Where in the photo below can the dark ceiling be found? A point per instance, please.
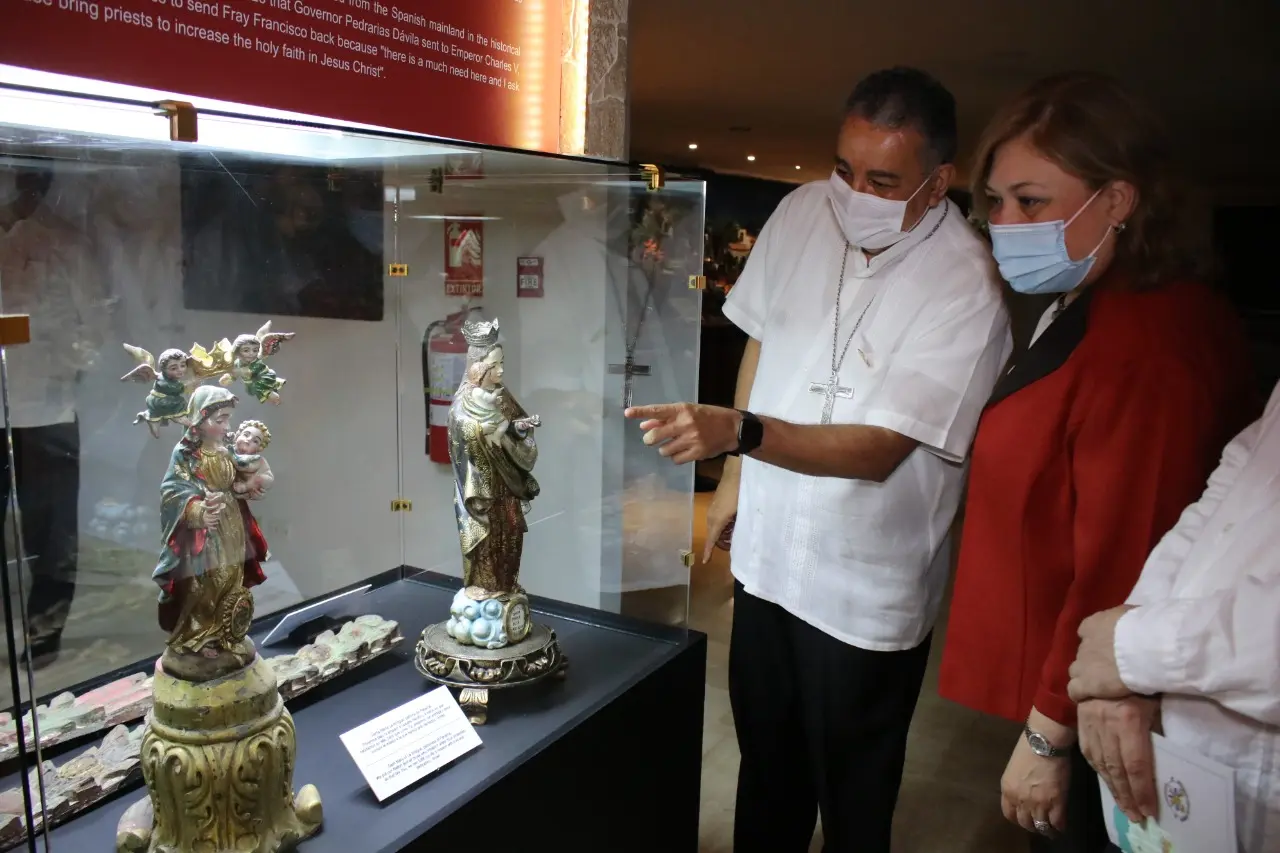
(767, 78)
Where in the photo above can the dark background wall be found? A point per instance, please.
(1245, 238)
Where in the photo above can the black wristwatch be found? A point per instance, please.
(750, 434)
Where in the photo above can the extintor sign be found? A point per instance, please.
(464, 257)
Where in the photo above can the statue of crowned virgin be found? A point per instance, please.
(492, 449)
(490, 640)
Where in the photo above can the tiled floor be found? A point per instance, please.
(950, 792)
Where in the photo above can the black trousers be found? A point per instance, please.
(822, 727)
(1086, 831)
(47, 460)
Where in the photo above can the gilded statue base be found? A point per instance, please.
(218, 759)
(442, 659)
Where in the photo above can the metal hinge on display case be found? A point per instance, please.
(183, 122)
(686, 557)
(654, 176)
(15, 329)
(398, 270)
(401, 505)
(697, 282)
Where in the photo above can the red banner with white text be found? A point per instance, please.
(485, 71)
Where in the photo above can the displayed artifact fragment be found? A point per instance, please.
(218, 747)
(73, 786)
(67, 717)
(489, 640)
(355, 643)
(85, 780)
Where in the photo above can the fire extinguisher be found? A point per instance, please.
(444, 363)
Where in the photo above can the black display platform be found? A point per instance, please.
(607, 759)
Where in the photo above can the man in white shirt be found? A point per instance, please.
(876, 331)
(46, 272)
(1198, 644)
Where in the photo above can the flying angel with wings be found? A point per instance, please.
(250, 367)
(172, 377)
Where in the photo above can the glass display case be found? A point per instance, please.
(369, 249)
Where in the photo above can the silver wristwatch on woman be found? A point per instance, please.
(1040, 744)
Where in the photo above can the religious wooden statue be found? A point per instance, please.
(490, 640)
(492, 448)
(212, 547)
(219, 747)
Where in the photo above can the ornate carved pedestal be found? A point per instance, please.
(442, 659)
(218, 760)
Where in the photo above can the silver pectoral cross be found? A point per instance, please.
(628, 369)
(830, 390)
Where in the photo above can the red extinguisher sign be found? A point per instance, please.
(444, 363)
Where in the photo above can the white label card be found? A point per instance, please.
(411, 742)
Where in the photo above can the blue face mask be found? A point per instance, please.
(1033, 256)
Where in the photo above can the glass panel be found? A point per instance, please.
(111, 235)
(367, 249)
(600, 258)
(48, 271)
(651, 497)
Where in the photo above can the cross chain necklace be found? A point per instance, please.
(831, 389)
(629, 369)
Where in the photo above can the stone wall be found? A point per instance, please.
(608, 60)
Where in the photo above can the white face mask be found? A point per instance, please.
(868, 221)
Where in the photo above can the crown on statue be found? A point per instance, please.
(480, 333)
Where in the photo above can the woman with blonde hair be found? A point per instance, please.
(1101, 432)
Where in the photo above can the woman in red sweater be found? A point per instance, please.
(1097, 437)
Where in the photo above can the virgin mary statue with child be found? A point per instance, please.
(212, 550)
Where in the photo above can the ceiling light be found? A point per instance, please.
(751, 158)
(693, 146)
(797, 168)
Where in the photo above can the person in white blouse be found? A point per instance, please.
(877, 331)
(46, 272)
(1197, 646)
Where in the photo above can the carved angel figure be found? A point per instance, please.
(172, 377)
(250, 366)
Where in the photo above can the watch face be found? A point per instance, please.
(1039, 745)
(750, 433)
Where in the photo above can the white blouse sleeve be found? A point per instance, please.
(1161, 568)
(1224, 646)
